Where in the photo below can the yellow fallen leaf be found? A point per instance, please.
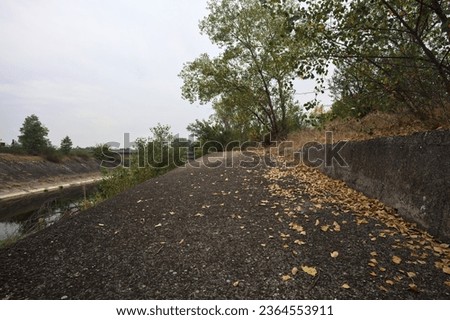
(337, 227)
(299, 242)
(345, 286)
(374, 254)
(373, 274)
(447, 283)
(438, 249)
(317, 222)
(383, 269)
(361, 221)
(383, 289)
(374, 261)
(286, 278)
(411, 274)
(325, 228)
(396, 260)
(286, 246)
(236, 284)
(446, 269)
(309, 270)
(390, 282)
(413, 287)
(334, 254)
(294, 271)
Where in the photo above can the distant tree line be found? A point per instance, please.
(33, 140)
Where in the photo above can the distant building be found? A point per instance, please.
(2, 144)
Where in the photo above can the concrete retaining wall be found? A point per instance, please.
(411, 174)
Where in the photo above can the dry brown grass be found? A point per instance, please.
(20, 158)
(371, 126)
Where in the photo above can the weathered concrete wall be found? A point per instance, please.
(15, 169)
(411, 174)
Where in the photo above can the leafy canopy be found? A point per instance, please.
(250, 82)
(33, 136)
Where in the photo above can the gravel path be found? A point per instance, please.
(230, 232)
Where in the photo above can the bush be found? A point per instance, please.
(52, 155)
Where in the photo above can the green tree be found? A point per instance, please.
(33, 136)
(66, 145)
(250, 82)
(394, 53)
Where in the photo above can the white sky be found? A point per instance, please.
(94, 70)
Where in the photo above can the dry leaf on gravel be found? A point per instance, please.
(396, 260)
(447, 283)
(294, 271)
(325, 228)
(286, 278)
(411, 274)
(310, 270)
(334, 254)
(336, 227)
(345, 286)
(390, 282)
(236, 284)
(413, 287)
(446, 269)
(299, 242)
(296, 227)
(361, 221)
(383, 289)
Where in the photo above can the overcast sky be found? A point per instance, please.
(94, 70)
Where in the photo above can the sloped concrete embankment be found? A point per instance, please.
(410, 174)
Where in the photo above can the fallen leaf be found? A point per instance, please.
(413, 287)
(294, 271)
(286, 278)
(337, 227)
(411, 274)
(374, 261)
(361, 221)
(374, 254)
(383, 269)
(439, 249)
(309, 270)
(181, 242)
(317, 222)
(325, 228)
(396, 260)
(263, 245)
(334, 254)
(299, 242)
(158, 225)
(447, 283)
(199, 215)
(236, 284)
(446, 269)
(390, 282)
(383, 289)
(373, 274)
(297, 227)
(345, 286)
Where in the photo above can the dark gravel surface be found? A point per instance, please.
(218, 233)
